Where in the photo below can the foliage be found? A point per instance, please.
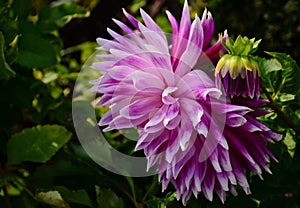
(42, 163)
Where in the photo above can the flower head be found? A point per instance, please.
(199, 142)
(238, 72)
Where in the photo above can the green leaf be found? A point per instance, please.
(297, 112)
(78, 197)
(290, 73)
(59, 15)
(37, 144)
(108, 199)
(49, 77)
(165, 201)
(8, 26)
(270, 65)
(5, 70)
(284, 97)
(290, 142)
(52, 198)
(22, 8)
(36, 51)
(6, 179)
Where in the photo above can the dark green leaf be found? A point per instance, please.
(36, 51)
(37, 144)
(59, 15)
(6, 178)
(8, 26)
(5, 70)
(77, 197)
(22, 8)
(108, 199)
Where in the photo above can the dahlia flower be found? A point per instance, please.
(238, 72)
(199, 142)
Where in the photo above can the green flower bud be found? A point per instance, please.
(237, 72)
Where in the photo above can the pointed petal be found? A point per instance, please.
(208, 27)
(193, 49)
(136, 109)
(193, 110)
(132, 20)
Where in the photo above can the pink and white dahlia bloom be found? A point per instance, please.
(198, 142)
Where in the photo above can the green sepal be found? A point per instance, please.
(242, 46)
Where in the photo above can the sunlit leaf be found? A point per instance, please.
(284, 97)
(290, 142)
(270, 65)
(290, 74)
(37, 144)
(52, 198)
(49, 77)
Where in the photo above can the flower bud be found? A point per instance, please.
(237, 72)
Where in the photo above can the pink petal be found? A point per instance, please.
(179, 42)
(137, 109)
(193, 110)
(120, 122)
(103, 66)
(157, 117)
(157, 42)
(174, 123)
(193, 81)
(167, 97)
(208, 27)
(193, 49)
(120, 72)
(129, 32)
(185, 132)
(171, 113)
(235, 120)
(208, 186)
(132, 20)
(149, 22)
(224, 159)
(217, 49)
(223, 180)
(143, 80)
(213, 157)
(185, 22)
(173, 22)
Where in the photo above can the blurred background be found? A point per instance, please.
(277, 23)
(43, 46)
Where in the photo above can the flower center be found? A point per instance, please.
(168, 95)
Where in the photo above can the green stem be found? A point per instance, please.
(279, 112)
(274, 96)
(150, 189)
(7, 200)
